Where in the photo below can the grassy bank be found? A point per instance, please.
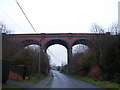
(35, 78)
(103, 83)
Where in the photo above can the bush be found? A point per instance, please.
(88, 61)
(116, 78)
(96, 72)
(112, 77)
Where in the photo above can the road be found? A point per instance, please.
(59, 80)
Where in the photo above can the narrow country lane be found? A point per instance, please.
(59, 80)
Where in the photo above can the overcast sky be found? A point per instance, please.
(58, 16)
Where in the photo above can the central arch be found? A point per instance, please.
(61, 42)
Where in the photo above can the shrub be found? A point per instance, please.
(112, 77)
(116, 78)
(96, 72)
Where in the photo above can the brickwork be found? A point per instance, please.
(15, 76)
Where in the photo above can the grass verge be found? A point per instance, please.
(10, 86)
(35, 78)
(104, 84)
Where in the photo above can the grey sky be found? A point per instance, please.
(58, 16)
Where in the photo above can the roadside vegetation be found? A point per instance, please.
(35, 78)
(100, 63)
(102, 83)
(32, 59)
(29, 62)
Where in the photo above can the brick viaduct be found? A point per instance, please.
(44, 40)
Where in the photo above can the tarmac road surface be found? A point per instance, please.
(59, 80)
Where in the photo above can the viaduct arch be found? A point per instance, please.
(56, 41)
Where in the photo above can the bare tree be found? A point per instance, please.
(97, 29)
(114, 29)
(4, 29)
(44, 62)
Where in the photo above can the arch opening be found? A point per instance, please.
(58, 55)
(31, 54)
(79, 48)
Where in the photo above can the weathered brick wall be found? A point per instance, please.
(15, 76)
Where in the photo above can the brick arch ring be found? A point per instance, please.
(56, 41)
(30, 41)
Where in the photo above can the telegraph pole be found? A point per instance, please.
(39, 60)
